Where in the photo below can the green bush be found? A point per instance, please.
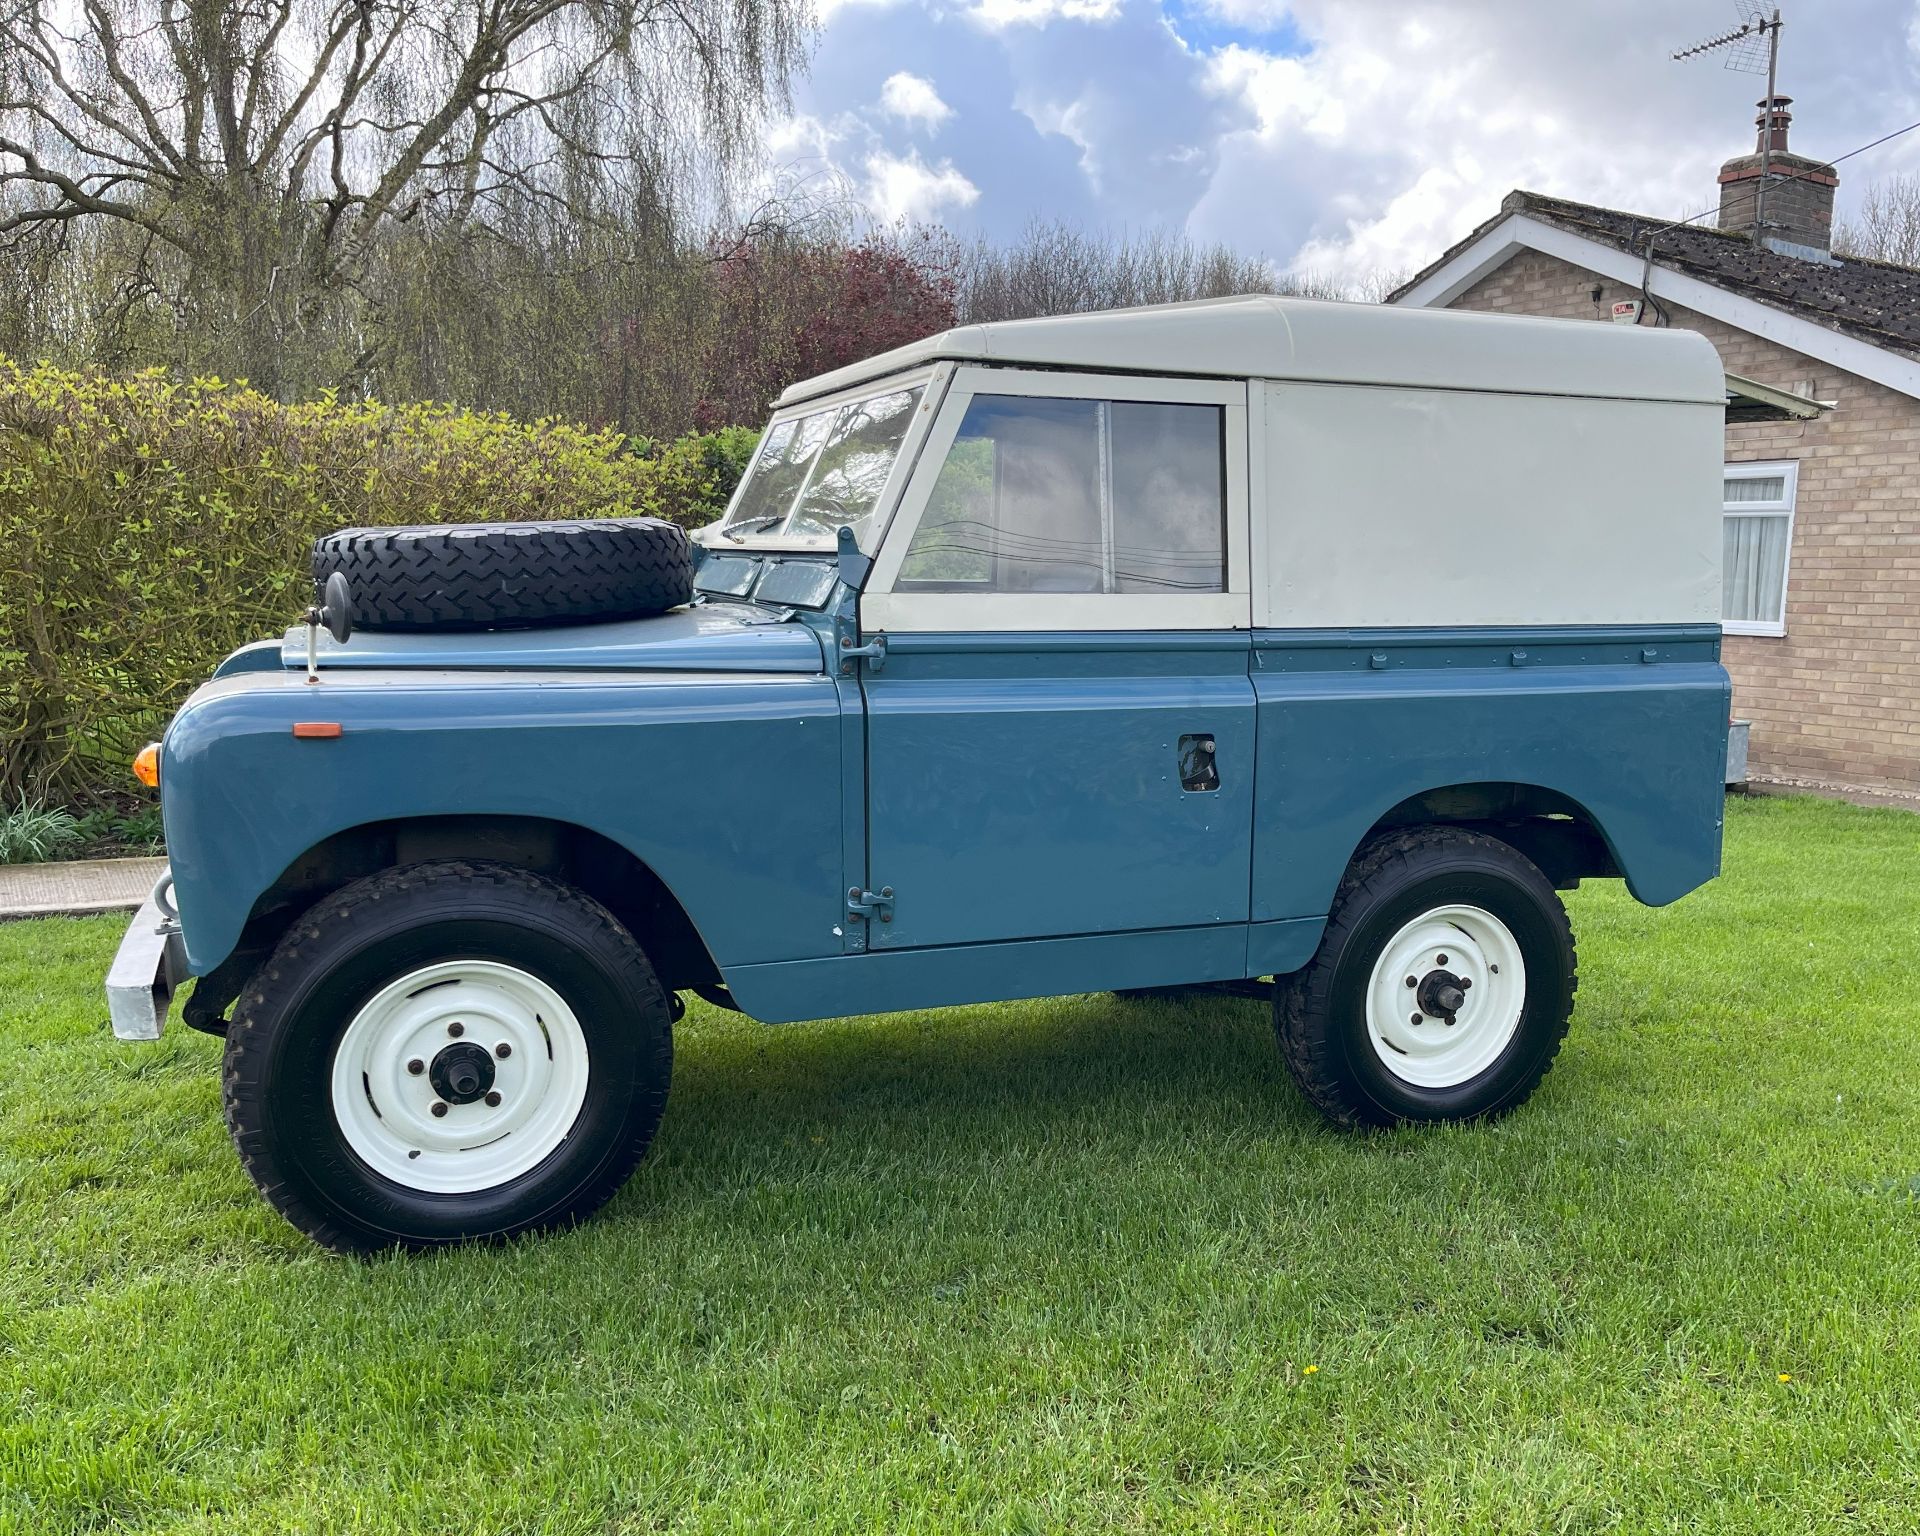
(30, 833)
(149, 526)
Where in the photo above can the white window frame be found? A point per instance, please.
(1788, 471)
(932, 380)
(881, 607)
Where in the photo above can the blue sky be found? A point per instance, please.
(1344, 137)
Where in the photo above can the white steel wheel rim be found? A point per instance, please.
(1472, 945)
(384, 1108)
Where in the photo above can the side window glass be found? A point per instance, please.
(1169, 498)
(1051, 495)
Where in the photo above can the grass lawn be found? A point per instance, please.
(1074, 1264)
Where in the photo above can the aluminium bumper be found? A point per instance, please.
(151, 962)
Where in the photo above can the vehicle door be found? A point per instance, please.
(1060, 737)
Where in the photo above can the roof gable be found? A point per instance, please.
(1863, 316)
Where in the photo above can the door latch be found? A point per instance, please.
(1198, 771)
(864, 905)
(875, 652)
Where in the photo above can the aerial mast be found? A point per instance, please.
(1757, 38)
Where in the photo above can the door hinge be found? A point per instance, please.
(865, 905)
(875, 651)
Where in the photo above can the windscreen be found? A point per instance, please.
(818, 472)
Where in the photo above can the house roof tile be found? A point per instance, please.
(1875, 301)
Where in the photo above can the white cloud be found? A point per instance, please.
(802, 137)
(1373, 140)
(997, 14)
(1347, 137)
(1069, 121)
(905, 187)
(826, 10)
(912, 99)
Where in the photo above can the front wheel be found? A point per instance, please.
(1441, 989)
(444, 1052)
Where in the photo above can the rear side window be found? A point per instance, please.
(1049, 495)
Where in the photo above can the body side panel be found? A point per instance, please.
(886, 981)
(1628, 724)
(1458, 507)
(628, 756)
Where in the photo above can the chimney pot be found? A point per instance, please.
(1772, 122)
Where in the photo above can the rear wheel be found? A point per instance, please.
(1441, 989)
(445, 1052)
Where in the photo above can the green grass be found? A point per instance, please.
(1042, 1266)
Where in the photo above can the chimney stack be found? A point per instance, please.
(1794, 214)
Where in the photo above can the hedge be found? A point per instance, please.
(149, 526)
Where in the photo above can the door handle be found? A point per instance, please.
(1199, 772)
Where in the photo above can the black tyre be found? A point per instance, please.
(502, 575)
(444, 1052)
(1441, 989)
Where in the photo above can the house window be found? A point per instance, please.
(1757, 534)
(1043, 494)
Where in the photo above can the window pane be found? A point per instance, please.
(777, 471)
(951, 550)
(855, 463)
(1041, 495)
(1757, 488)
(1016, 507)
(1169, 498)
(1754, 578)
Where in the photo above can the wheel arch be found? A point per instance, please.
(591, 861)
(1559, 834)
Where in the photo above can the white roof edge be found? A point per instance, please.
(1518, 232)
(1320, 341)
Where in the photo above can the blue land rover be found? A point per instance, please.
(1291, 648)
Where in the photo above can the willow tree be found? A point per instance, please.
(248, 158)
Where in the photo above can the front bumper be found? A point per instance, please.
(151, 962)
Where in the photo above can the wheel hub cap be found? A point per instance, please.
(1442, 994)
(462, 1072)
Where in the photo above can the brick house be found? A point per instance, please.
(1822, 541)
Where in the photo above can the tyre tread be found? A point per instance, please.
(240, 1094)
(1303, 997)
(489, 575)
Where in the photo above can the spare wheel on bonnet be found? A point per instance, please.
(496, 575)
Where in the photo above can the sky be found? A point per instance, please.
(1350, 139)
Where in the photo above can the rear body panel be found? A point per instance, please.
(1628, 724)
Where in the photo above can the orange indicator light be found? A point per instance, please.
(316, 730)
(146, 765)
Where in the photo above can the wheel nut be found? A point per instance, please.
(1413, 981)
(1417, 1017)
(1465, 982)
(439, 1109)
(416, 1066)
(457, 1029)
(1441, 959)
(503, 1050)
(493, 1098)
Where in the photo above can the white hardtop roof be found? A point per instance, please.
(1261, 336)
